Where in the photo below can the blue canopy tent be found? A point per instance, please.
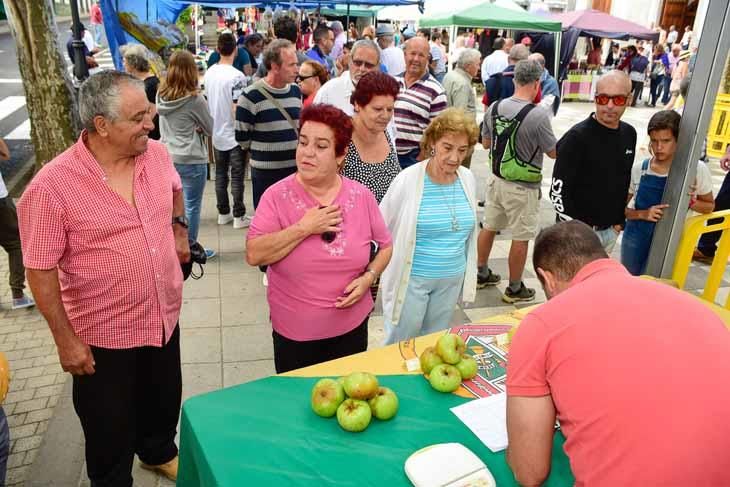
(157, 17)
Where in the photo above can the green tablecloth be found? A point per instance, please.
(264, 433)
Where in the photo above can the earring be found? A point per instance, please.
(432, 152)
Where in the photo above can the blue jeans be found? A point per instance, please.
(193, 178)
(427, 308)
(666, 95)
(4, 445)
(655, 87)
(608, 239)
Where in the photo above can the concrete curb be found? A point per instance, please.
(61, 457)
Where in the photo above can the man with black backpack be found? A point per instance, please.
(517, 133)
(500, 86)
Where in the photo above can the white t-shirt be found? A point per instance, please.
(223, 85)
(394, 60)
(3, 188)
(494, 63)
(703, 180)
(89, 40)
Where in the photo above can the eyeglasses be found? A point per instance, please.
(359, 63)
(618, 100)
(301, 78)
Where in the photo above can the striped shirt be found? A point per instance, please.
(415, 107)
(440, 250)
(263, 130)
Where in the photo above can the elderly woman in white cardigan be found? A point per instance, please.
(430, 210)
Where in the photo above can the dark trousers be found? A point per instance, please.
(636, 87)
(10, 241)
(708, 241)
(130, 405)
(656, 85)
(291, 354)
(408, 159)
(234, 161)
(261, 179)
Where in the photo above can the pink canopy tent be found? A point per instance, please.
(600, 24)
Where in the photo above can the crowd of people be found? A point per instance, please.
(360, 184)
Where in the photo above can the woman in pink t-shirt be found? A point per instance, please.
(313, 230)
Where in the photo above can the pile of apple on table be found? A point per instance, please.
(356, 398)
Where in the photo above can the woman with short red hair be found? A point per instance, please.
(371, 158)
(313, 230)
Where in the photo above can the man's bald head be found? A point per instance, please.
(508, 43)
(539, 58)
(614, 79)
(418, 43)
(612, 84)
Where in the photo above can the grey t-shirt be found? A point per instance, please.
(536, 131)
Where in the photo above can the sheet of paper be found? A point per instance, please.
(487, 419)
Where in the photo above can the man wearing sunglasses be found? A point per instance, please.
(364, 58)
(593, 169)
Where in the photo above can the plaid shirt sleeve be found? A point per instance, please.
(41, 220)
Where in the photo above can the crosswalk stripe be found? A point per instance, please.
(10, 80)
(21, 132)
(10, 104)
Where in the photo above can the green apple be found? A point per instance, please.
(327, 395)
(467, 367)
(385, 403)
(354, 415)
(361, 385)
(445, 378)
(429, 360)
(450, 347)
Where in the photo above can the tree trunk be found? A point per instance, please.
(50, 96)
(726, 79)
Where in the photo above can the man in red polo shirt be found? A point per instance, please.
(103, 234)
(635, 370)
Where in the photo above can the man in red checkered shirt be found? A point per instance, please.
(103, 234)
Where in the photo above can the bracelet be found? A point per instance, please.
(375, 274)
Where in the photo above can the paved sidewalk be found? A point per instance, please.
(225, 337)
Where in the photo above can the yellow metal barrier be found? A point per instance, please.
(718, 136)
(693, 229)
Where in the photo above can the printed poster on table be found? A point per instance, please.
(491, 359)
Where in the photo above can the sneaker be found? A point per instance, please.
(524, 294)
(487, 278)
(23, 302)
(699, 256)
(210, 253)
(225, 219)
(241, 222)
(265, 280)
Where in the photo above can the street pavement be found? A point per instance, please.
(225, 334)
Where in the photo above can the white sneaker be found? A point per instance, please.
(225, 219)
(265, 280)
(241, 222)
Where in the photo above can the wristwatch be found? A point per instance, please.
(181, 220)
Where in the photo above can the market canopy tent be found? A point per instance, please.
(593, 23)
(489, 15)
(152, 21)
(600, 24)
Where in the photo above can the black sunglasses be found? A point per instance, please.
(328, 237)
(301, 78)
